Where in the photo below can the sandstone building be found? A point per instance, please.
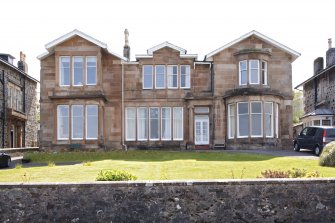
(18, 119)
(238, 96)
(319, 92)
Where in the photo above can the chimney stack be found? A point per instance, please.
(330, 54)
(329, 43)
(126, 48)
(21, 64)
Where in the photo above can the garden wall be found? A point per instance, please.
(287, 200)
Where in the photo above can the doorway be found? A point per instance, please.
(201, 130)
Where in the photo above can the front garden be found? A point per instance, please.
(154, 165)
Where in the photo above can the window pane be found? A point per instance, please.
(316, 122)
(166, 123)
(130, 123)
(91, 121)
(243, 72)
(201, 109)
(185, 76)
(91, 70)
(231, 121)
(160, 76)
(172, 76)
(154, 123)
(256, 107)
(64, 70)
(264, 73)
(63, 122)
(256, 119)
(254, 71)
(77, 122)
(268, 119)
(147, 77)
(78, 70)
(178, 123)
(243, 119)
(142, 123)
(326, 122)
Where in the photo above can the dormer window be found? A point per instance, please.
(252, 72)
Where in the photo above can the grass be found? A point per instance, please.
(154, 165)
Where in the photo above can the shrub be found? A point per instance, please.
(294, 173)
(327, 157)
(115, 175)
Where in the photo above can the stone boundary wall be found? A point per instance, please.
(274, 200)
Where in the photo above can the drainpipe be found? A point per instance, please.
(4, 108)
(124, 146)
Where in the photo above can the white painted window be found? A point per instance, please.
(91, 70)
(64, 66)
(142, 124)
(172, 76)
(166, 123)
(326, 122)
(243, 119)
(77, 115)
(201, 110)
(277, 120)
(92, 122)
(243, 77)
(264, 72)
(231, 121)
(178, 123)
(147, 77)
(63, 118)
(130, 124)
(78, 71)
(154, 116)
(185, 76)
(268, 117)
(254, 71)
(159, 76)
(256, 119)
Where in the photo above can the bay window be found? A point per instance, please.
(243, 73)
(268, 113)
(256, 119)
(264, 73)
(243, 119)
(147, 77)
(253, 71)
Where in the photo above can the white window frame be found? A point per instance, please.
(229, 121)
(86, 121)
(96, 76)
(265, 70)
(251, 124)
(187, 76)
(182, 124)
(82, 75)
(238, 119)
(269, 136)
(126, 127)
(169, 118)
(156, 76)
(60, 71)
(240, 73)
(68, 119)
(72, 107)
(146, 122)
(158, 122)
(152, 76)
(171, 75)
(251, 69)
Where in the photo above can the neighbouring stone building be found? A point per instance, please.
(319, 92)
(18, 122)
(239, 96)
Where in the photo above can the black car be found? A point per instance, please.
(314, 138)
(5, 160)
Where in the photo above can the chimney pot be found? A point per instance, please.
(126, 48)
(329, 43)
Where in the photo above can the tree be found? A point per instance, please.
(297, 106)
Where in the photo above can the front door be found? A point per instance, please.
(201, 130)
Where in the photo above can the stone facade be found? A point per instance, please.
(319, 92)
(18, 119)
(169, 99)
(287, 200)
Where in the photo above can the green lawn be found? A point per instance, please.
(154, 165)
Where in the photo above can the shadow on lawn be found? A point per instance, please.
(71, 158)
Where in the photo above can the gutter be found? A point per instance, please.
(124, 146)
